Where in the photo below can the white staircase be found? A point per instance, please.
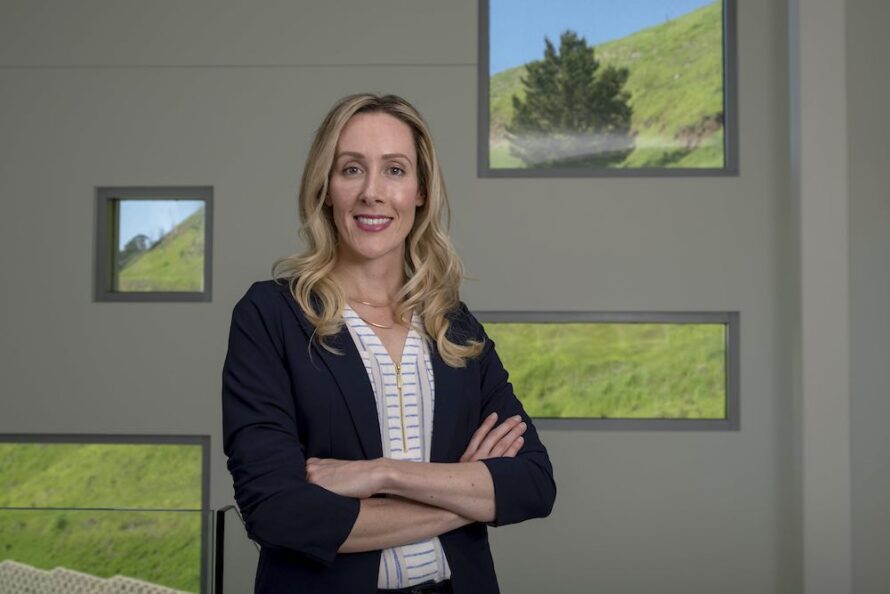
(18, 578)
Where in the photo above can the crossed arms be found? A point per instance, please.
(425, 499)
(319, 508)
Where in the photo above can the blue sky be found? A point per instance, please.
(151, 217)
(518, 27)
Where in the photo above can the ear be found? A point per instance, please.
(420, 199)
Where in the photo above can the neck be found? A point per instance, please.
(376, 281)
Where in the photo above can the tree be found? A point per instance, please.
(137, 245)
(574, 113)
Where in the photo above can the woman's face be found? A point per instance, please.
(374, 188)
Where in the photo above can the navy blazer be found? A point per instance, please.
(286, 399)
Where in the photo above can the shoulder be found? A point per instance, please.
(267, 308)
(266, 290)
(263, 298)
(463, 325)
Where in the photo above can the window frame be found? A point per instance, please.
(104, 258)
(730, 117)
(103, 438)
(730, 319)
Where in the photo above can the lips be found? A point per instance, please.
(372, 222)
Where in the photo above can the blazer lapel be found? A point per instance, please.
(352, 379)
(447, 408)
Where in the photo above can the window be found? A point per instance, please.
(116, 508)
(154, 244)
(596, 88)
(622, 370)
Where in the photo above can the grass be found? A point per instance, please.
(158, 547)
(606, 370)
(676, 88)
(176, 263)
(162, 547)
(100, 475)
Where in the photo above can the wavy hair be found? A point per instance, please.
(432, 266)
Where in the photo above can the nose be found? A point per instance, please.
(371, 190)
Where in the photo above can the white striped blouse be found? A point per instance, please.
(406, 428)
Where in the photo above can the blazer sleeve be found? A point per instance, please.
(523, 486)
(265, 456)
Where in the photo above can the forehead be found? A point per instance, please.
(376, 133)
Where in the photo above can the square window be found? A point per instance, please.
(154, 244)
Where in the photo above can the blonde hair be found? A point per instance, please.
(432, 265)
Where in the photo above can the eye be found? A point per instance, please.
(396, 170)
(350, 170)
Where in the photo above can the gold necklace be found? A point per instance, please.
(369, 322)
(372, 304)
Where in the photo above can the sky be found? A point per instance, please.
(518, 27)
(151, 216)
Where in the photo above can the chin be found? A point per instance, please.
(371, 252)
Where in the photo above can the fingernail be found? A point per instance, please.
(493, 415)
(518, 417)
(522, 425)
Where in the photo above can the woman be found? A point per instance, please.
(370, 428)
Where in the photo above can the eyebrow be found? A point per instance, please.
(386, 157)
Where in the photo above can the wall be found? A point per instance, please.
(868, 95)
(226, 94)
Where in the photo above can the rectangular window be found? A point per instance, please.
(121, 510)
(571, 88)
(154, 244)
(622, 370)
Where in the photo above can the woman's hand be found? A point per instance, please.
(350, 478)
(503, 441)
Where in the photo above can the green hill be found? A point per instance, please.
(176, 263)
(628, 371)
(162, 547)
(676, 89)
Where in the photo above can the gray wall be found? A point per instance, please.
(869, 130)
(226, 94)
